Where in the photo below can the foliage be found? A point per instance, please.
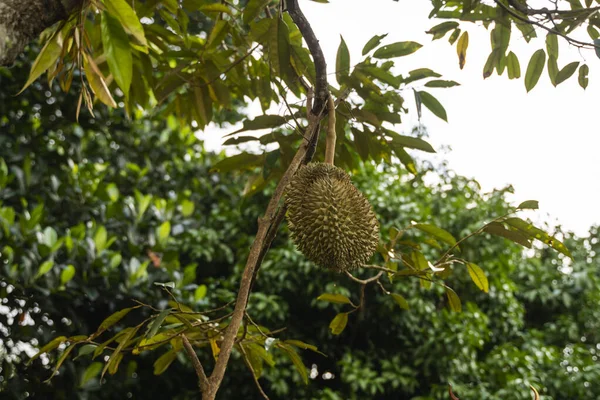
(125, 204)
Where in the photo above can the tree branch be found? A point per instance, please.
(202, 379)
(321, 86)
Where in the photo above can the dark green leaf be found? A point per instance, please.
(437, 232)
(155, 326)
(372, 43)
(567, 71)
(439, 83)
(583, 76)
(342, 61)
(499, 230)
(433, 105)
(529, 205)
(453, 300)
(334, 298)
(401, 301)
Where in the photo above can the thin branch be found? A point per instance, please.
(384, 269)
(572, 41)
(321, 86)
(247, 360)
(202, 379)
(365, 281)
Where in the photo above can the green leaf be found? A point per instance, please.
(334, 298)
(411, 143)
(372, 43)
(112, 191)
(200, 292)
(61, 360)
(117, 51)
(44, 268)
(53, 344)
(439, 83)
(163, 231)
(401, 301)
(100, 238)
(338, 324)
(291, 353)
(567, 71)
(47, 57)
(67, 274)
(437, 232)
(529, 205)
(115, 358)
(157, 322)
(163, 362)
(478, 277)
(453, 300)
(583, 76)
(552, 45)
(90, 373)
(440, 30)
(534, 69)
(187, 208)
(261, 122)
(552, 70)
(97, 81)
(302, 345)
(499, 230)
(536, 233)
(461, 49)
(114, 318)
(252, 9)
(433, 105)
(215, 7)
(125, 14)
(342, 61)
(398, 49)
(239, 161)
(513, 66)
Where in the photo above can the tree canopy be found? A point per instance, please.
(125, 245)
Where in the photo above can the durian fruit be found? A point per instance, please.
(331, 222)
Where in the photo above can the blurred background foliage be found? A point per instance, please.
(84, 211)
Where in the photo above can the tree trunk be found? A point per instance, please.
(21, 21)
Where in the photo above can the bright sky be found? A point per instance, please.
(544, 142)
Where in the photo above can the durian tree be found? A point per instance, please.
(191, 61)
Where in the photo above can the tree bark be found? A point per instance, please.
(21, 21)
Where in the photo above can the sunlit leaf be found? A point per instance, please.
(125, 14)
(117, 51)
(338, 324)
(163, 362)
(499, 230)
(67, 274)
(90, 373)
(97, 82)
(401, 301)
(291, 353)
(478, 277)
(114, 318)
(334, 298)
(461, 49)
(437, 232)
(44, 268)
(53, 344)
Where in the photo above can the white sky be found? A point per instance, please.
(544, 142)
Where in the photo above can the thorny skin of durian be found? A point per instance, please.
(331, 222)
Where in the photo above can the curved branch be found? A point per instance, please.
(321, 86)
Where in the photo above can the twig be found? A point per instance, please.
(247, 360)
(202, 379)
(365, 281)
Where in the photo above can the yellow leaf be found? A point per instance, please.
(97, 82)
(215, 348)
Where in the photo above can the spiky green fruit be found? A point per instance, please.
(331, 222)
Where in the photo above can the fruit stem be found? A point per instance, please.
(331, 136)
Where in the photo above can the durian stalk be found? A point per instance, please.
(309, 101)
(331, 137)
